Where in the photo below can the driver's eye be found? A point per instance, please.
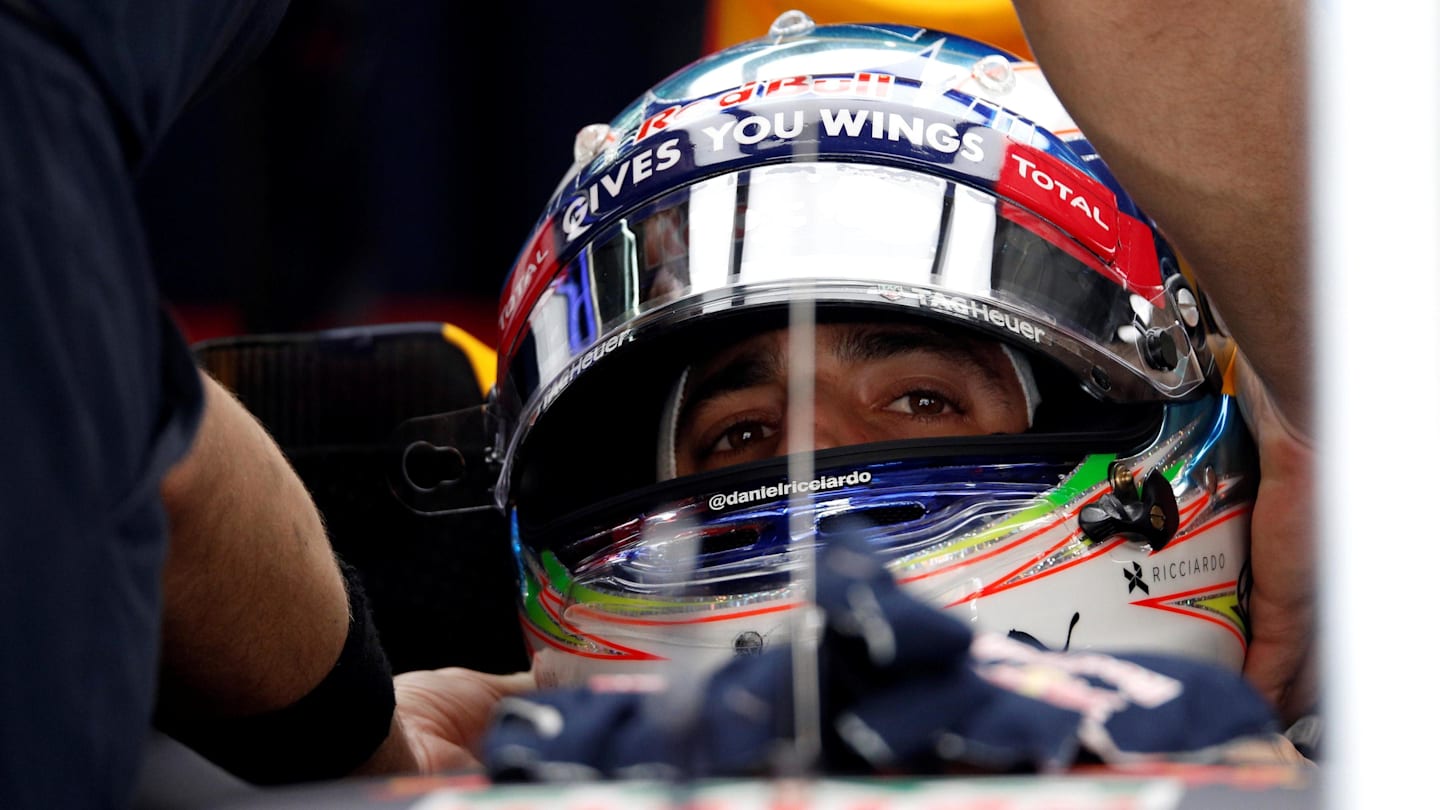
(920, 403)
(743, 434)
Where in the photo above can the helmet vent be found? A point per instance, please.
(887, 515)
(728, 541)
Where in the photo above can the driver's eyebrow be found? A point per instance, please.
(766, 364)
(881, 342)
(757, 366)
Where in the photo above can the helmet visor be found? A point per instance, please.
(859, 235)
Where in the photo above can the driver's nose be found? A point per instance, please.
(836, 425)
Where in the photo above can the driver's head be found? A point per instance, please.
(999, 342)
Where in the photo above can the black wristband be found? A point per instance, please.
(326, 734)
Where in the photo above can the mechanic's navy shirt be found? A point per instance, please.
(98, 394)
(153, 57)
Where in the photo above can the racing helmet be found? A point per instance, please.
(875, 173)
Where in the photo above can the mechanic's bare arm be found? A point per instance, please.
(1200, 112)
(255, 609)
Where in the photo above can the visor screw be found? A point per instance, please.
(1160, 351)
(1100, 378)
(1157, 518)
(792, 23)
(995, 74)
(590, 141)
(1122, 480)
(1207, 480)
(1188, 307)
(749, 643)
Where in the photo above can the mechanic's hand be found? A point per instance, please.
(1270, 750)
(1283, 659)
(440, 716)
